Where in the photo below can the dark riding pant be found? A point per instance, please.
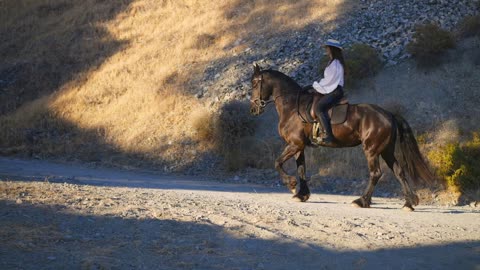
(324, 104)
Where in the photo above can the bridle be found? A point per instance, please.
(259, 102)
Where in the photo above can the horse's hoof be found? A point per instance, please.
(408, 208)
(296, 198)
(360, 203)
(301, 198)
(354, 204)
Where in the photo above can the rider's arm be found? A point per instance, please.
(332, 77)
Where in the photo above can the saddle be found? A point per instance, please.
(337, 115)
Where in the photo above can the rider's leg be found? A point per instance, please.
(321, 111)
(322, 114)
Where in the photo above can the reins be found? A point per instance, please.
(298, 106)
(263, 103)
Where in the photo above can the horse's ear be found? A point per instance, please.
(256, 69)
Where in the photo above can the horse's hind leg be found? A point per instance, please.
(411, 198)
(303, 193)
(375, 174)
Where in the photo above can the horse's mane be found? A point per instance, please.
(292, 85)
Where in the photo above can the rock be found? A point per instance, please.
(395, 52)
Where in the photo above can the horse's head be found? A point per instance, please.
(261, 92)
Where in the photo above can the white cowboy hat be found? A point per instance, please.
(333, 43)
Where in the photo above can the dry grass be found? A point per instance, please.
(349, 163)
(122, 74)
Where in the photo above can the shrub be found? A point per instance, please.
(203, 123)
(362, 61)
(429, 42)
(234, 124)
(469, 26)
(251, 152)
(204, 41)
(459, 164)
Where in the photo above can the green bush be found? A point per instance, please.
(361, 60)
(459, 164)
(429, 42)
(469, 26)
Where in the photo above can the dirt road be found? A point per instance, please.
(79, 218)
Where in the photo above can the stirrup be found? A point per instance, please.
(317, 131)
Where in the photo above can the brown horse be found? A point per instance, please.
(378, 131)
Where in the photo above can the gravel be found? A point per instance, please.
(61, 226)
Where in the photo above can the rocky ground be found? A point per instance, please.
(108, 219)
(385, 25)
(439, 98)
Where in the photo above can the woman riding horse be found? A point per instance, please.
(380, 133)
(331, 86)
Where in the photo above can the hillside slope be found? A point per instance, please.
(115, 81)
(124, 83)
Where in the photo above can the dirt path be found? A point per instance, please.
(106, 219)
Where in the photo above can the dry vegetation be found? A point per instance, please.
(96, 77)
(430, 42)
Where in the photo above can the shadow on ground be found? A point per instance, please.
(45, 171)
(48, 237)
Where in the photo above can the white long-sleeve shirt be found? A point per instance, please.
(332, 77)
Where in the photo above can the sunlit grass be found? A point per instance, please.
(138, 97)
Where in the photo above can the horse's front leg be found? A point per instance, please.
(304, 192)
(289, 180)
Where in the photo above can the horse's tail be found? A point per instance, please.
(409, 155)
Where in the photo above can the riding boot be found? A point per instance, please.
(323, 118)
